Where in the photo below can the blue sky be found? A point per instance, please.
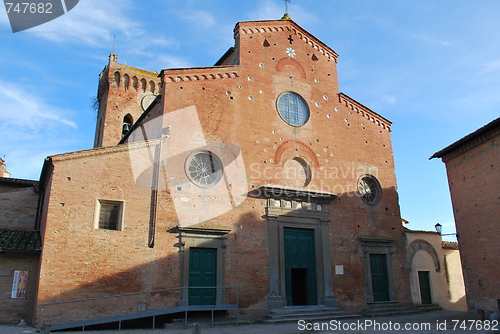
(431, 67)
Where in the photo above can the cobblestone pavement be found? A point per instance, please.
(442, 322)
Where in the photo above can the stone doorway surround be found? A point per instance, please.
(381, 246)
(201, 238)
(289, 207)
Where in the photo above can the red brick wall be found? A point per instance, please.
(13, 310)
(338, 141)
(18, 207)
(236, 105)
(473, 180)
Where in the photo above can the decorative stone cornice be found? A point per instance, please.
(256, 27)
(365, 112)
(369, 241)
(199, 73)
(127, 77)
(199, 230)
(299, 194)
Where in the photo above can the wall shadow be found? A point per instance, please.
(246, 263)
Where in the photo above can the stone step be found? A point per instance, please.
(392, 309)
(309, 313)
(307, 318)
(390, 313)
(386, 305)
(428, 308)
(306, 315)
(204, 323)
(302, 310)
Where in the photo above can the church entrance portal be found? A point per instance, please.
(380, 280)
(300, 267)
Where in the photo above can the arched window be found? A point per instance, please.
(152, 87)
(135, 82)
(127, 124)
(126, 81)
(117, 78)
(143, 85)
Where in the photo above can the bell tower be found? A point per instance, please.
(124, 93)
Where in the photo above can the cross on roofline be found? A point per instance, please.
(286, 5)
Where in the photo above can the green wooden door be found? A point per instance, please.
(425, 287)
(300, 267)
(202, 272)
(380, 279)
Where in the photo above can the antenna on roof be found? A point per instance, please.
(114, 39)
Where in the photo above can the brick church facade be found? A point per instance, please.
(255, 173)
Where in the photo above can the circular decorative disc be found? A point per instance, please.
(204, 169)
(147, 100)
(369, 189)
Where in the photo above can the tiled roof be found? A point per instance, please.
(450, 245)
(19, 240)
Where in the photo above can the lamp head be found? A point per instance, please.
(439, 228)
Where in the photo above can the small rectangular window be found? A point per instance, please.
(109, 215)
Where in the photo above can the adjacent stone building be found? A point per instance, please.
(20, 247)
(472, 164)
(255, 173)
(435, 271)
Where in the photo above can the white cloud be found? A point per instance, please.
(274, 10)
(388, 99)
(91, 23)
(4, 19)
(25, 110)
(96, 23)
(430, 40)
(493, 66)
(153, 61)
(168, 61)
(267, 10)
(385, 100)
(32, 129)
(201, 18)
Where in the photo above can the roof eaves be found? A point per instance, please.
(491, 126)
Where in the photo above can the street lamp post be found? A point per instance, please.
(439, 229)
